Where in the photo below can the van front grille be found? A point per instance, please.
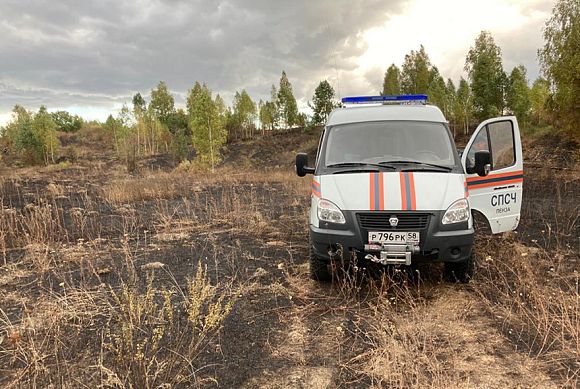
(379, 221)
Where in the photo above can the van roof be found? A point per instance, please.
(373, 113)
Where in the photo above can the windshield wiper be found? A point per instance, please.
(359, 167)
(446, 168)
(358, 164)
(346, 164)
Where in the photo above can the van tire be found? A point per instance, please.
(319, 268)
(460, 271)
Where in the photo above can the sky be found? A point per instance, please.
(90, 57)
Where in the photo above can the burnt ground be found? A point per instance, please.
(88, 226)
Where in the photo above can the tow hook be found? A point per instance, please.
(392, 254)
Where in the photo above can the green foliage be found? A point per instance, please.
(560, 61)
(437, 90)
(125, 137)
(276, 112)
(222, 110)
(29, 143)
(242, 121)
(286, 103)
(450, 103)
(162, 103)
(11, 132)
(192, 97)
(415, 72)
(110, 124)
(139, 105)
(463, 107)
(302, 120)
(392, 81)
(518, 95)
(208, 131)
(33, 136)
(180, 145)
(539, 95)
(268, 112)
(151, 135)
(177, 121)
(486, 76)
(142, 131)
(145, 135)
(66, 122)
(322, 103)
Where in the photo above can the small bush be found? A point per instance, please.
(33, 136)
(156, 334)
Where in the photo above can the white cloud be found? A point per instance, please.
(447, 29)
(5, 118)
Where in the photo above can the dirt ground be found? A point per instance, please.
(98, 275)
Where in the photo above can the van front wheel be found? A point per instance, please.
(319, 268)
(460, 271)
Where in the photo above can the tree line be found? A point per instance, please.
(487, 92)
(490, 91)
(207, 124)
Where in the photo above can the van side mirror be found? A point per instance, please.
(482, 163)
(302, 168)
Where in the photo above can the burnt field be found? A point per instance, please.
(182, 279)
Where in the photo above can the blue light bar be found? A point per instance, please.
(382, 99)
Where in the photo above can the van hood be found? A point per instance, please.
(407, 191)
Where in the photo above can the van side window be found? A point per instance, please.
(501, 135)
(479, 144)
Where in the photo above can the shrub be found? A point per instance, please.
(33, 136)
(156, 334)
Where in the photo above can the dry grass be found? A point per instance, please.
(184, 184)
(89, 300)
(42, 342)
(131, 331)
(149, 337)
(536, 298)
(155, 334)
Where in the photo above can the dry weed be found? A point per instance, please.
(537, 301)
(151, 343)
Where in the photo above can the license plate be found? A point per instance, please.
(393, 237)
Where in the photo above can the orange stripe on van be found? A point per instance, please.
(403, 195)
(381, 192)
(496, 183)
(477, 178)
(408, 195)
(376, 192)
(315, 188)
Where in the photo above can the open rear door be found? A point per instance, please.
(497, 195)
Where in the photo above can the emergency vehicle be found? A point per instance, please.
(389, 185)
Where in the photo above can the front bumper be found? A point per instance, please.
(438, 243)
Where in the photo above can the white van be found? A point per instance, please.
(389, 185)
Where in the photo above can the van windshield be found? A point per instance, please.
(389, 141)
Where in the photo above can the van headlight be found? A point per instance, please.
(329, 212)
(457, 212)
